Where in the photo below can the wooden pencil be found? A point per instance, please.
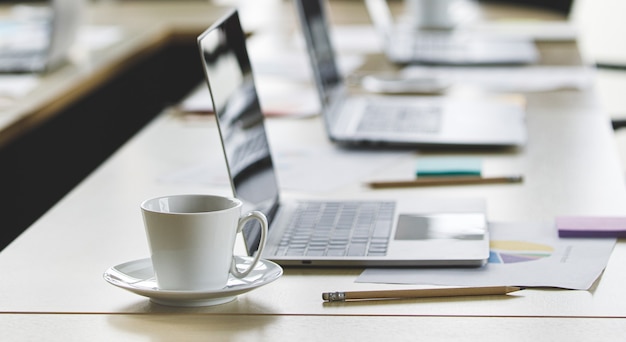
(438, 181)
(418, 293)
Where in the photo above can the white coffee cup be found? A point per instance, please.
(192, 237)
(436, 14)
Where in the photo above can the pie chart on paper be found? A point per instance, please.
(509, 251)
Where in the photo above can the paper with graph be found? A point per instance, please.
(522, 254)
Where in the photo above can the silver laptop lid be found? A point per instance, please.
(240, 119)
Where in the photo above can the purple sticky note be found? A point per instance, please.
(591, 226)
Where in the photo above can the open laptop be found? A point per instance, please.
(401, 120)
(41, 44)
(324, 233)
(404, 45)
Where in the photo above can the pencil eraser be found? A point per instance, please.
(448, 166)
(591, 226)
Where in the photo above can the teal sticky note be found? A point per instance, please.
(448, 166)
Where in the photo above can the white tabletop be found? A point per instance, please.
(99, 225)
(168, 327)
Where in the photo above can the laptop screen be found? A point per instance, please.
(321, 53)
(240, 119)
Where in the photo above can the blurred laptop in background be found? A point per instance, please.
(38, 38)
(377, 120)
(404, 44)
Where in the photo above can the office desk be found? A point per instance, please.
(99, 225)
(175, 327)
(52, 284)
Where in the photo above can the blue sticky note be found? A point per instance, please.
(448, 166)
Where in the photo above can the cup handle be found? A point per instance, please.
(256, 215)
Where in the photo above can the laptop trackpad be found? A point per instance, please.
(456, 226)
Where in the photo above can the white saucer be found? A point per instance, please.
(138, 277)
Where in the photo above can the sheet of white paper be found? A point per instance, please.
(356, 38)
(509, 79)
(522, 254)
(97, 37)
(282, 97)
(299, 168)
(16, 86)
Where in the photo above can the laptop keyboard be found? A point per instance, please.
(338, 229)
(403, 119)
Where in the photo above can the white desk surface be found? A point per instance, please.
(173, 327)
(99, 225)
(52, 284)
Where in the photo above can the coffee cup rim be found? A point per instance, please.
(236, 203)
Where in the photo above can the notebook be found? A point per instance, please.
(324, 233)
(405, 45)
(373, 120)
(41, 44)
